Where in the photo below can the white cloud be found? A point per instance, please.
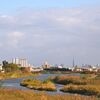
(54, 34)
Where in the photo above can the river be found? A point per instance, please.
(15, 83)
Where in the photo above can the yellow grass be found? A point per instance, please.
(10, 94)
(17, 74)
(39, 85)
(77, 80)
(82, 89)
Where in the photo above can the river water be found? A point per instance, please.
(15, 83)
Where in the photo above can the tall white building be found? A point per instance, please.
(20, 62)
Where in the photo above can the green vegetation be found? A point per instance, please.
(10, 67)
(38, 85)
(10, 94)
(17, 74)
(14, 71)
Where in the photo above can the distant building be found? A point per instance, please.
(20, 62)
(38, 69)
(46, 65)
(77, 69)
(60, 66)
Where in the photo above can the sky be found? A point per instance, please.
(50, 30)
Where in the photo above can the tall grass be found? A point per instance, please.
(67, 80)
(77, 84)
(17, 74)
(82, 89)
(11, 94)
(77, 80)
(38, 85)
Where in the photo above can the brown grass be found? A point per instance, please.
(11, 94)
(17, 74)
(82, 89)
(39, 85)
(77, 80)
(67, 79)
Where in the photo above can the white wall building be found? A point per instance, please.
(20, 62)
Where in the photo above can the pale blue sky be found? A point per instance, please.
(9, 6)
(56, 35)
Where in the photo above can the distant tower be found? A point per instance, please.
(73, 63)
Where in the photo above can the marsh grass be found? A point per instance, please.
(17, 74)
(67, 80)
(77, 80)
(77, 84)
(38, 85)
(11, 94)
(82, 89)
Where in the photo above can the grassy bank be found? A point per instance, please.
(17, 74)
(39, 85)
(67, 80)
(9, 94)
(77, 80)
(82, 89)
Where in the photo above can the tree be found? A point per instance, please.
(5, 63)
(10, 67)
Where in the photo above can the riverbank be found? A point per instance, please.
(13, 94)
(18, 74)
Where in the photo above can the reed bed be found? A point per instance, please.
(39, 85)
(82, 89)
(13, 94)
(77, 80)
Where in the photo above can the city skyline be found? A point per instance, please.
(50, 30)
